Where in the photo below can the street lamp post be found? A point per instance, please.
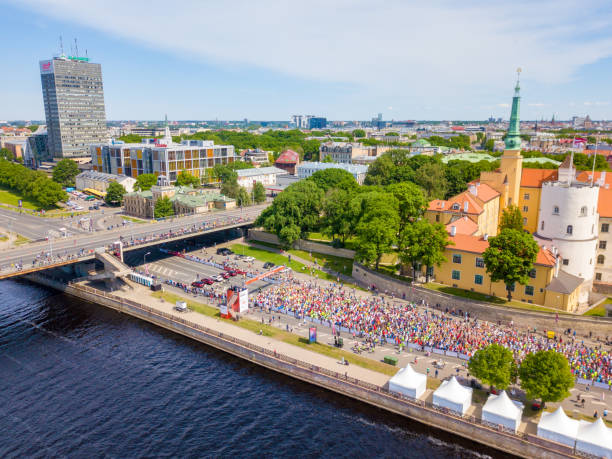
(144, 258)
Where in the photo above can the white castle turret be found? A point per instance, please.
(568, 221)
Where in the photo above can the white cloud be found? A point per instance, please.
(391, 47)
(503, 105)
(597, 103)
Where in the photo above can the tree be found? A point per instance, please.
(237, 165)
(242, 197)
(114, 194)
(432, 178)
(294, 213)
(328, 159)
(223, 173)
(130, 138)
(144, 182)
(258, 193)
(184, 178)
(163, 208)
(511, 218)
(494, 365)
(334, 178)
(423, 242)
(411, 200)
(510, 257)
(359, 133)
(6, 154)
(340, 213)
(377, 228)
(546, 375)
(65, 171)
(33, 127)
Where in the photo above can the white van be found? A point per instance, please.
(181, 306)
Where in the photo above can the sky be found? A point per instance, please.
(342, 59)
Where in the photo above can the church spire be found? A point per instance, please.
(513, 137)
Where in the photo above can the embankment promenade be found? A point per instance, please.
(358, 383)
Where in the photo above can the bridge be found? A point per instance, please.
(65, 251)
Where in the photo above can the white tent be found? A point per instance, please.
(453, 396)
(408, 382)
(558, 427)
(594, 438)
(499, 409)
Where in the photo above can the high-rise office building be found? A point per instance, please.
(74, 105)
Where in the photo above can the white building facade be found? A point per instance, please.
(264, 175)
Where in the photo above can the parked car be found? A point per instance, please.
(249, 258)
(239, 271)
(225, 275)
(217, 278)
(232, 272)
(224, 251)
(207, 281)
(268, 265)
(197, 284)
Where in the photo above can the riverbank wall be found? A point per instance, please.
(598, 326)
(522, 445)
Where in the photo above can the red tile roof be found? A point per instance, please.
(463, 225)
(535, 177)
(477, 244)
(604, 206)
(288, 157)
(484, 192)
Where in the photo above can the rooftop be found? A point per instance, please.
(352, 168)
(564, 283)
(288, 157)
(533, 178)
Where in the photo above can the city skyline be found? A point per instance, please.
(323, 67)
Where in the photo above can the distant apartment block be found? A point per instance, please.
(73, 98)
(197, 157)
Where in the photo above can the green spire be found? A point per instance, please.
(513, 137)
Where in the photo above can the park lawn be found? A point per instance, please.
(281, 335)
(278, 259)
(600, 310)
(21, 240)
(490, 299)
(134, 220)
(12, 198)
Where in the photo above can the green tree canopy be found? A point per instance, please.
(65, 171)
(258, 193)
(423, 242)
(411, 201)
(511, 218)
(224, 174)
(144, 182)
(6, 154)
(163, 208)
(114, 194)
(294, 213)
(33, 127)
(184, 178)
(357, 133)
(378, 226)
(130, 138)
(334, 178)
(510, 257)
(494, 365)
(341, 211)
(242, 197)
(32, 184)
(546, 375)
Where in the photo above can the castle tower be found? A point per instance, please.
(512, 161)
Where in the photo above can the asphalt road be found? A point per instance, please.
(72, 245)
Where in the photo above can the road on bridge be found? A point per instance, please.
(27, 253)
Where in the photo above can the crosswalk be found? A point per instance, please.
(166, 272)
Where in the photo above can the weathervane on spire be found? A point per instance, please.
(518, 78)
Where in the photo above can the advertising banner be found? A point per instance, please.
(312, 335)
(243, 300)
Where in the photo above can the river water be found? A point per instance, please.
(79, 380)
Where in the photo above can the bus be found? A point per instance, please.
(96, 193)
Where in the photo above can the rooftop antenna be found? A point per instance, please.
(76, 48)
(61, 46)
(86, 54)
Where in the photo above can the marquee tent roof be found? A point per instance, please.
(407, 381)
(594, 438)
(558, 427)
(453, 395)
(499, 409)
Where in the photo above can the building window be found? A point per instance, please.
(478, 279)
(479, 262)
(455, 206)
(605, 227)
(570, 229)
(542, 225)
(529, 290)
(601, 259)
(524, 221)
(603, 244)
(556, 210)
(437, 218)
(525, 209)
(456, 275)
(457, 258)
(597, 276)
(565, 261)
(583, 211)
(526, 197)
(532, 273)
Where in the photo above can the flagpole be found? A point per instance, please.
(594, 158)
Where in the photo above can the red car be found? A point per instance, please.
(232, 273)
(239, 271)
(207, 281)
(225, 275)
(197, 284)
